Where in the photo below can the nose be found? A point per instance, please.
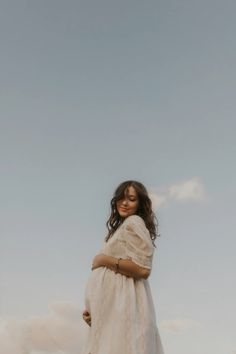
(124, 202)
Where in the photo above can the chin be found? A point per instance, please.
(124, 215)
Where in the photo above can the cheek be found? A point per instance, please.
(118, 204)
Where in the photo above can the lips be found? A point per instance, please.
(123, 209)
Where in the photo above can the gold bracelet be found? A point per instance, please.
(117, 265)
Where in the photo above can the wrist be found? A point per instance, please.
(110, 262)
(117, 264)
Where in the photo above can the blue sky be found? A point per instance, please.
(94, 93)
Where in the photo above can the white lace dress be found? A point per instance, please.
(121, 308)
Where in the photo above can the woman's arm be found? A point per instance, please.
(126, 266)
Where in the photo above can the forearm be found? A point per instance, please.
(126, 267)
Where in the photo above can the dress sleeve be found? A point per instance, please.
(138, 244)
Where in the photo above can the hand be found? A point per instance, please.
(97, 261)
(87, 317)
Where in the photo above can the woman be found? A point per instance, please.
(118, 300)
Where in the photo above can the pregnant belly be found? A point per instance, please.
(94, 287)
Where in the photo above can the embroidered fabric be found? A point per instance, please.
(138, 244)
(121, 308)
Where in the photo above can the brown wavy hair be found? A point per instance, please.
(144, 209)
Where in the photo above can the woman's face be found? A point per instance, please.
(129, 204)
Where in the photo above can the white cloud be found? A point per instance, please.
(63, 330)
(179, 325)
(188, 190)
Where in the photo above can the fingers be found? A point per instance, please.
(87, 317)
(88, 320)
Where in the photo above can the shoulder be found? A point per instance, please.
(136, 223)
(135, 229)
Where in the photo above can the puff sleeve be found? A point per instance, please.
(138, 244)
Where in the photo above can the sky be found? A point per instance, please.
(94, 93)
